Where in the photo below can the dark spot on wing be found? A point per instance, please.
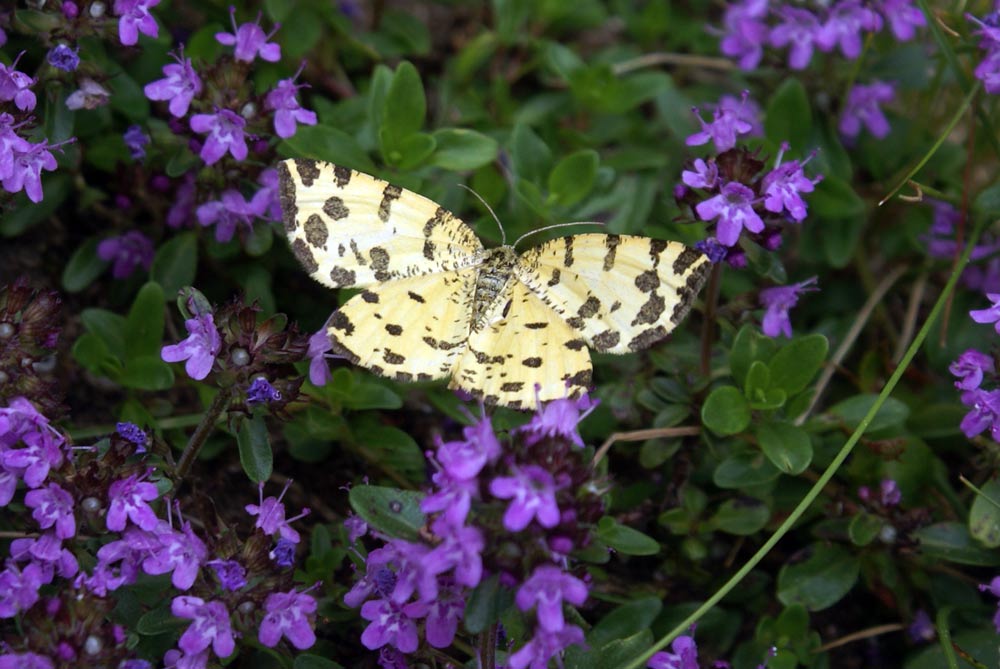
(575, 322)
(342, 351)
(568, 254)
(424, 376)
(343, 277)
(394, 330)
(286, 195)
(512, 386)
(357, 254)
(532, 362)
(589, 307)
(651, 311)
(378, 370)
(335, 208)
(415, 297)
(647, 338)
(380, 263)
(390, 193)
(316, 232)
(429, 249)
(339, 321)
(506, 308)
(340, 250)
(555, 278)
(615, 306)
(438, 219)
(609, 258)
(687, 258)
(404, 377)
(304, 254)
(656, 247)
(648, 281)
(369, 297)
(575, 344)
(541, 325)
(393, 358)
(582, 378)
(606, 340)
(308, 170)
(342, 175)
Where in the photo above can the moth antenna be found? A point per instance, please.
(503, 233)
(553, 226)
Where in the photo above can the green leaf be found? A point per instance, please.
(821, 580)
(109, 327)
(789, 117)
(530, 156)
(624, 621)
(394, 512)
(176, 263)
(323, 142)
(863, 528)
(308, 661)
(404, 108)
(147, 372)
(144, 324)
(984, 516)
(159, 621)
(951, 541)
(255, 449)
(411, 151)
(23, 213)
(573, 177)
(83, 267)
(725, 411)
(486, 604)
(624, 539)
(127, 97)
(891, 415)
(459, 149)
(749, 345)
(618, 653)
(92, 353)
(743, 516)
(300, 32)
(744, 470)
(758, 380)
(795, 364)
(393, 446)
(788, 447)
(835, 199)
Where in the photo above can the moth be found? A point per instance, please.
(436, 304)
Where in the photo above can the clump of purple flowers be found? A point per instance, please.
(733, 191)
(988, 69)
(976, 376)
(510, 509)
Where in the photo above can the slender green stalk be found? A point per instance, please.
(944, 636)
(828, 474)
(205, 428)
(968, 484)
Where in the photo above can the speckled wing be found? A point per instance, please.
(620, 293)
(348, 228)
(526, 343)
(411, 329)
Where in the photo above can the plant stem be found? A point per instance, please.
(488, 648)
(205, 428)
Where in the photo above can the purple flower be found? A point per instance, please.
(994, 589)
(533, 494)
(52, 506)
(45, 550)
(465, 459)
(11, 144)
(250, 41)
(179, 552)
(461, 549)
(782, 188)
(175, 659)
(16, 86)
(19, 588)
(889, 493)
(921, 630)
(704, 174)
(184, 200)
(452, 496)
(289, 614)
(988, 71)
(903, 18)
(63, 57)
(543, 646)
(199, 349)
(715, 251)
(225, 134)
(271, 515)
(226, 213)
(745, 32)
(777, 301)
(134, 18)
(25, 661)
(356, 527)
(547, 588)
(118, 562)
(210, 626)
(25, 170)
(683, 655)
(133, 433)
(231, 574)
(863, 108)
(558, 419)
(734, 209)
(265, 203)
(179, 86)
(283, 553)
(988, 31)
(990, 315)
(287, 110)
(843, 26)
(135, 141)
(390, 658)
(415, 571)
(319, 346)
(442, 616)
(128, 251)
(799, 28)
(726, 124)
(90, 95)
(128, 499)
(985, 413)
(260, 391)
(970, 368)
(32, 463)
(389, 624)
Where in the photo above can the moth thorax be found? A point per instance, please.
(494, 273)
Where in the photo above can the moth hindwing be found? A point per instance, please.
(435, 304)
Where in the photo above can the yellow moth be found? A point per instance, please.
(435, 304)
